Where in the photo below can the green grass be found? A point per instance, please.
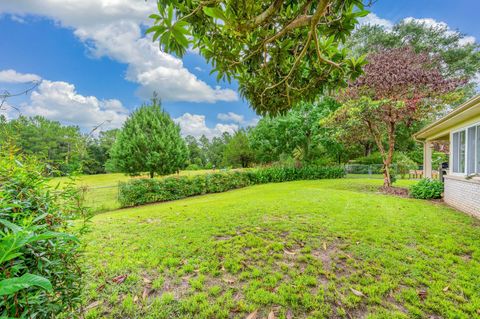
(309, 249)
(101, 190)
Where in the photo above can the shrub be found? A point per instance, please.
(143, 191)
(40, 276)
(427, 189)
(193, 167)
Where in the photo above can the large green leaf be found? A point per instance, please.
(214, 12)
(12, 285)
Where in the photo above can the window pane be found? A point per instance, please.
(471, 137)
(461, 156)
(455, 152)
(478, 149)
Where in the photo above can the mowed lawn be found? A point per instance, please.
(101, 190)
(309, 249)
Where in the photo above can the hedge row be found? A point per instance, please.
(144, 191)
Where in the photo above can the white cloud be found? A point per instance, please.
(230, 116)
(195, 125)
(373, 19)
(12, 76)
(432, 23)
(112, 28)
(59, 101)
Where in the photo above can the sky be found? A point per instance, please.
(94, 63)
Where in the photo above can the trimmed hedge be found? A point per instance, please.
(144, 191)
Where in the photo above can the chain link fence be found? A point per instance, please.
(367, 170)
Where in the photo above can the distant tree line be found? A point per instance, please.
(415, 73)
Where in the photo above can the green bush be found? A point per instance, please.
(40, 276)
(143, 191)
(193, 167)
(427, 189)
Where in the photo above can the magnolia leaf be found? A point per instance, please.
(357, 293)
(214, 12)
(12, 285)
(252, 315)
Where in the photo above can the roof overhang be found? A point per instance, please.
(463, 113)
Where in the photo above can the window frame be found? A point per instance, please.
(467, 151)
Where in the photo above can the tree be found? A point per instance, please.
(149, 142)
(98, 152)
(399, 86)
(61, 147)
(280, 52)
(298, 133)
(238, 151)
(459, 56)
(196, 154)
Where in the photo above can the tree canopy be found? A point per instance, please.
(459, 56)
(280, 52)
(399, 86)
(149, 142)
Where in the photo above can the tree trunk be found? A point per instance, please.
(151, 174)
(368, 149)
(389, 156)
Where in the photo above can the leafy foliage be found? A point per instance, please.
(40, 276)
(459, 56)
(238, 152)
(298, 132)
(61, 147)
(280, 52)
(149, 142)
(399, 86)
(98, 152)
(427, 189)
(143, 191)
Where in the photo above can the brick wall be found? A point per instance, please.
(463, 194)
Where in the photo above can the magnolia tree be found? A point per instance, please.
(280, 52)
(399, 86)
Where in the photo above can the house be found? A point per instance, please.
(460, 129)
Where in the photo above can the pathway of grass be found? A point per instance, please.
(316, 249)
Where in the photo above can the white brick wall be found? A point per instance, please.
(463, 194)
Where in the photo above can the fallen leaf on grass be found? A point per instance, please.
(446, 288)
(253, 315)
(229, 280)
(271, 315)
(135, 299)
(146, 280)
(93, 305)
(288, 252)
(119, 279)
(146, 292)
(100, 288)
(357, 293)
(422, 294)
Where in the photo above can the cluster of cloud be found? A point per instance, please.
(59, 101)
(12, 76)
(113, 28)
(195, 125)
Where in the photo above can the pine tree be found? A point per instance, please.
(149, 142)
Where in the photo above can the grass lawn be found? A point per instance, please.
(101, 190)
(309, 249)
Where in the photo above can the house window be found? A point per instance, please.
(466, 151)
(459, 149)
(471, 149)
(478, 149)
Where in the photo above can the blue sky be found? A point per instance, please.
(96, 65)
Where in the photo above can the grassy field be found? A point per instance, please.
(101, 191)
(309, 249)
